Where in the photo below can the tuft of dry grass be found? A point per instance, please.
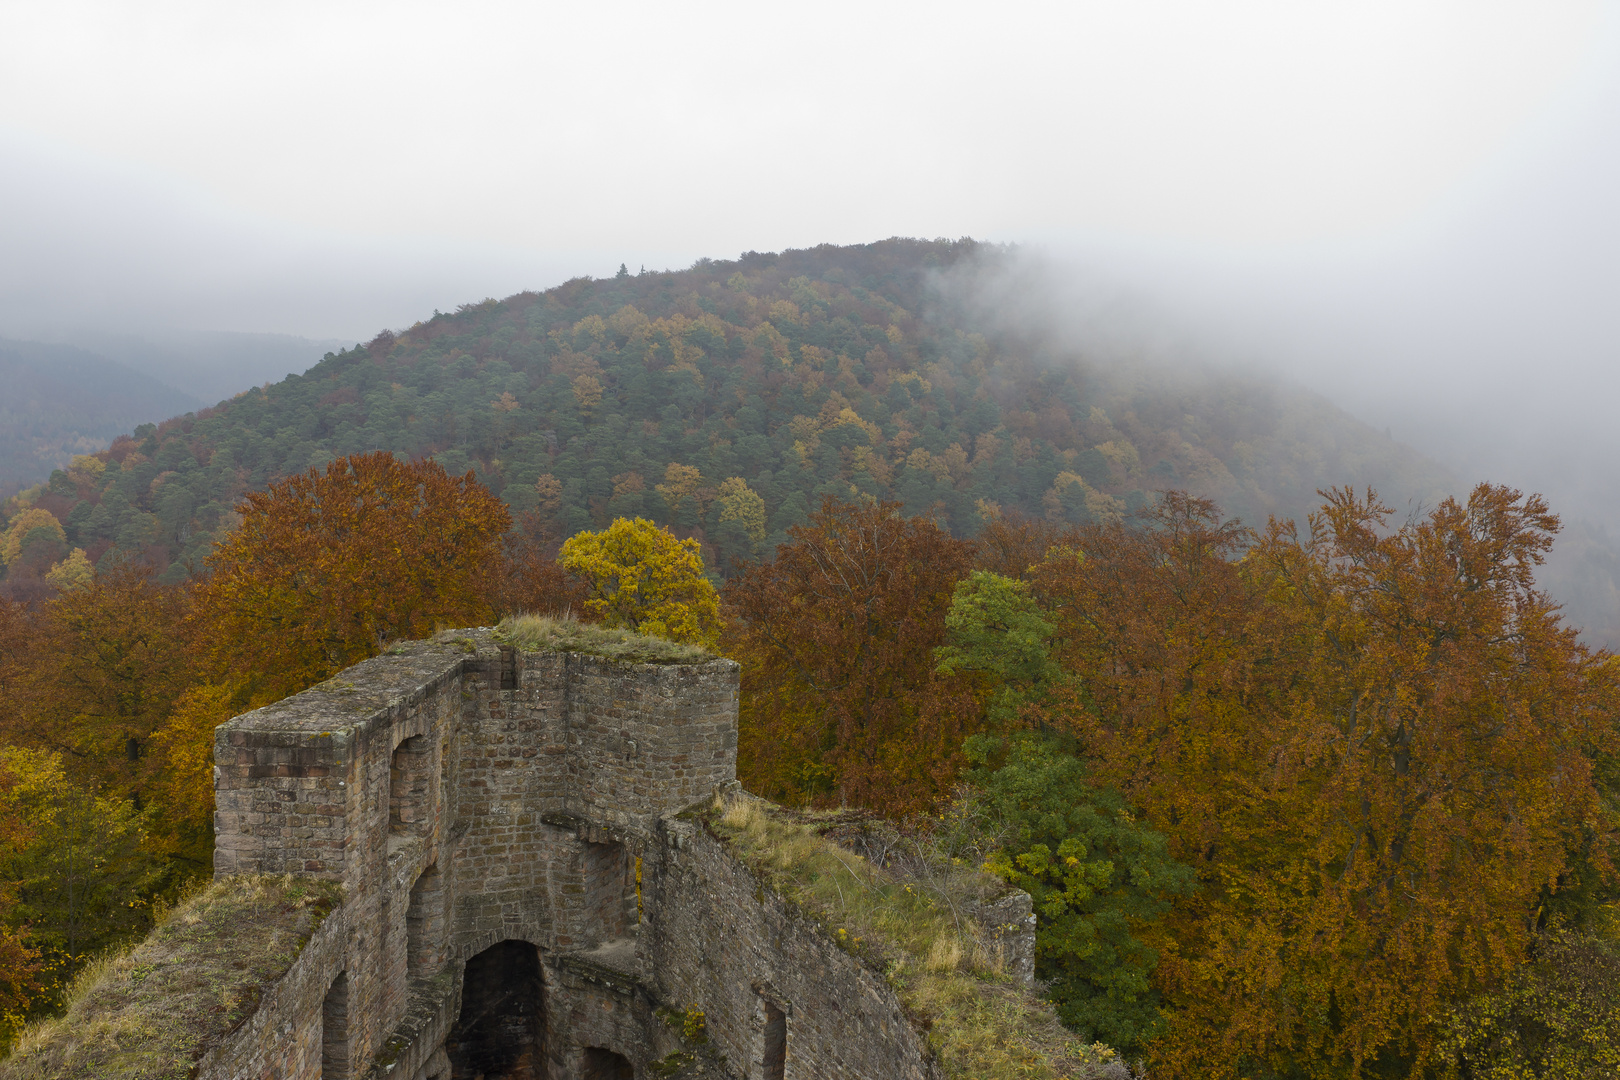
(563, 633)
(925, 942)
(155, 1010)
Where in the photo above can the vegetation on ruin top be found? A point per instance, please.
(917, 926)
(156, 1010)
(550, 633)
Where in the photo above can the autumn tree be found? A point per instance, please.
(683, 484)
(742, 517)
(105, 663)
(325, 569)
(638, 576)
(1556, 1015)
(33, 541)
(18, 636)
(841, 700)
(83, 880)
(1372, 745)
(1013, 545)
(180, 777)
(527, 578)
(19, 960)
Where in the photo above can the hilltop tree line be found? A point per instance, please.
(1324, 805)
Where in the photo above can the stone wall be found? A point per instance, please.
(278, 1039)
(742, 952)
(522, 896)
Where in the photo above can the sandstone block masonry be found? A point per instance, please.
(520, 898)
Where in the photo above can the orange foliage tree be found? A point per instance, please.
(17, 634)
(325, 569)
(1372, 744)
(180, 775)
(529, 578)
(19, 961)
(841, 700)
(100, 669)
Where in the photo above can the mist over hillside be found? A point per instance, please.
(889, 370)
(59, 401)
(728, 399)
(209, 365)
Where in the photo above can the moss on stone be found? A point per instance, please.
(544, 633)
(979, 1023)
(156, 1010)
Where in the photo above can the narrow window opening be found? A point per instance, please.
(610, 892)
(335, 1030)
(409, 788)
(775, 1056)
(424, 925)
(509, 668)
(601, 1064)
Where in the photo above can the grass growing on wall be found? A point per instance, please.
(926, 942)
(155, 1010)
(549, 633)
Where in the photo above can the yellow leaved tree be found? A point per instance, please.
(640, 577)
(741, 504)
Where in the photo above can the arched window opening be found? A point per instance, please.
(410, 788)
(335, 1030)
(424, 925)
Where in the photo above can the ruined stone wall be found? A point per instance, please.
(501, 819)
(305, 787)
(465, 794)
(721, 940)
(279, 1039)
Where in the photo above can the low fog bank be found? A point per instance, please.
(209, 365)
(59, 401)
(1468, 373)
(1137, 340)
(1486, 334)
(102, 254)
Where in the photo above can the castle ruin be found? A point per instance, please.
(522, 893)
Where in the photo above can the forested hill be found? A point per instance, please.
(726, 400)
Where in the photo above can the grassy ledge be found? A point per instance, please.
(155, 1011)
(924, 941)
(547, 633)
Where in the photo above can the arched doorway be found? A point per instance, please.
(502, 1029)
(603, 1064)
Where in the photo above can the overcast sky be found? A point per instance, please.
(1406, 204)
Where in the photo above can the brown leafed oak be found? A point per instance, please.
(326, 568)
(836, 637)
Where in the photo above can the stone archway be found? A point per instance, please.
(501, 1032)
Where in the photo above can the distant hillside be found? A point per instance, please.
(210, 365)
(727, 399)
(57, 401)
